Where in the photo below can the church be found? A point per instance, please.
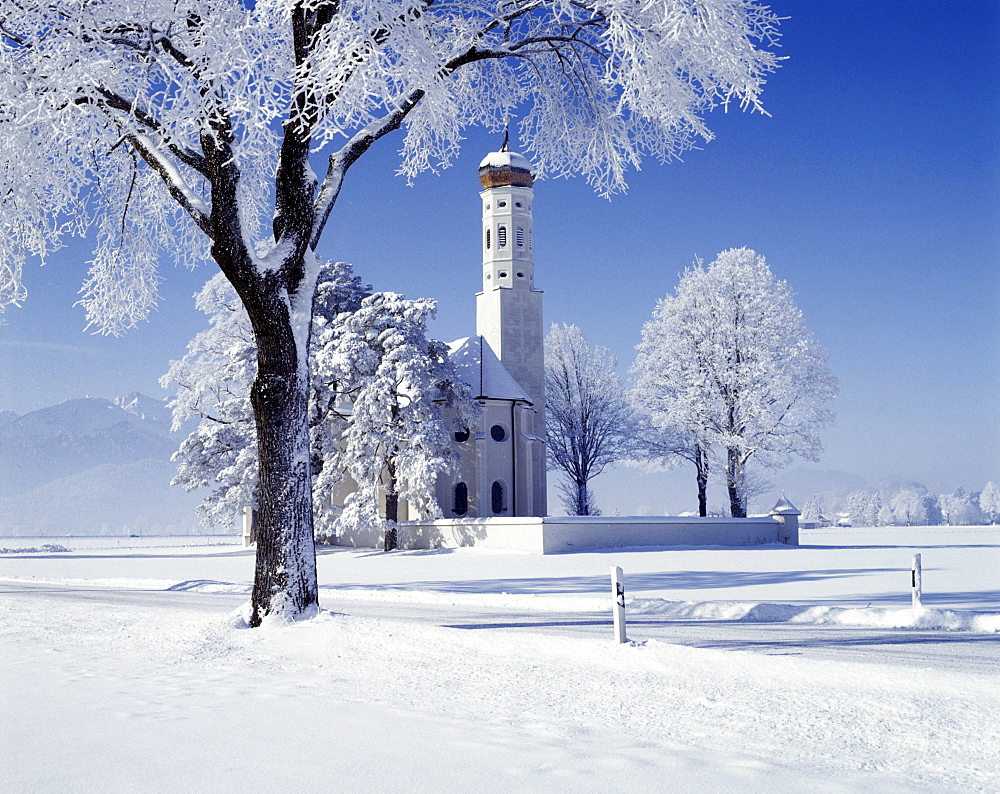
(502, 469)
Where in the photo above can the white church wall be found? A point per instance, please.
(556, 534)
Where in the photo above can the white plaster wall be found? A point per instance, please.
(566, 533)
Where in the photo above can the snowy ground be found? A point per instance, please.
(123, 668)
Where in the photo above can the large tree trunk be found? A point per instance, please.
(285, 580)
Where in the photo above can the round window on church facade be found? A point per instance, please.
(461, 435)
(498, 433)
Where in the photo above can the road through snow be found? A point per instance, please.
(956, 651)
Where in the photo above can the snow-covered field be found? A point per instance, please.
(124, 667)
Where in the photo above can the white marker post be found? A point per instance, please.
(916, 582)
(249, 526)
(618, 593)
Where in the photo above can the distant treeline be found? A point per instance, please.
(908, 505)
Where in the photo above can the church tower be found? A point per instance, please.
(509, 309)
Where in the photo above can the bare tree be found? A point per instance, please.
(728, 363)
(589, 420)
(189, 128)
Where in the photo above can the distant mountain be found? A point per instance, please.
(92, 466)
(110, 499)
(74, 436)
(151, 411)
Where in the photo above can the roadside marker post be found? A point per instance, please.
(916, 582)
(618, 593)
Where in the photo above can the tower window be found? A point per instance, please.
(520, 275)
(501, 203)
(519, 237)
(460, 505)
(498, 433)
(497, 498)
(503, 274)
(462, 435)
(517, 203)
(487, 238)
(501, 236)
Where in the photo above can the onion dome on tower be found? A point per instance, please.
(503, 168)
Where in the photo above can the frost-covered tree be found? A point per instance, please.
(959, 508)
(728, 361)
(989, 502)
(212, 384)
(863, 508)
(213, 381)
(400, 386)
(813, 508)
(907, 507)
(589, 422)
(188, 129)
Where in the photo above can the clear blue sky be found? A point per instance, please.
(873, 189)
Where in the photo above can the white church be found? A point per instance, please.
(502, 470)
(497, 496)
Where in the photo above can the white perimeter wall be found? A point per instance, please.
(556, 534)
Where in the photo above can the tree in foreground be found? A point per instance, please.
(728, 362)
(212, 385)
(365, 351)
(190, 129)
(588, 419)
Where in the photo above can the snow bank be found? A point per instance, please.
(867, 617)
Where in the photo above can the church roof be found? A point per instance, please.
(502, 168)
(785, 508)
(479, 366)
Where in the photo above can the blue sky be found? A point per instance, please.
(873, 188)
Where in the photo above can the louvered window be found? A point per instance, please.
(487, 238)
(519, 237)
(501, 236)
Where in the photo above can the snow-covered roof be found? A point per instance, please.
(503, 168)
(479, 366)
(785, 508)
(501, 159)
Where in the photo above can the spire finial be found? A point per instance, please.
(506, 134)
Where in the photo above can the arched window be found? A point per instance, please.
(487, 238)
(519, 237)
(461, 499)
(498, 499)
(501, 236)
(498, 433)
(461, 435)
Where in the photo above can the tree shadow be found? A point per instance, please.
(667, 580)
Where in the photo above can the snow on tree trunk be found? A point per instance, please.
(285, 578)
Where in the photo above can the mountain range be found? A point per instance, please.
(91, 466)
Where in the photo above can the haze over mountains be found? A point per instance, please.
(90, 466)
